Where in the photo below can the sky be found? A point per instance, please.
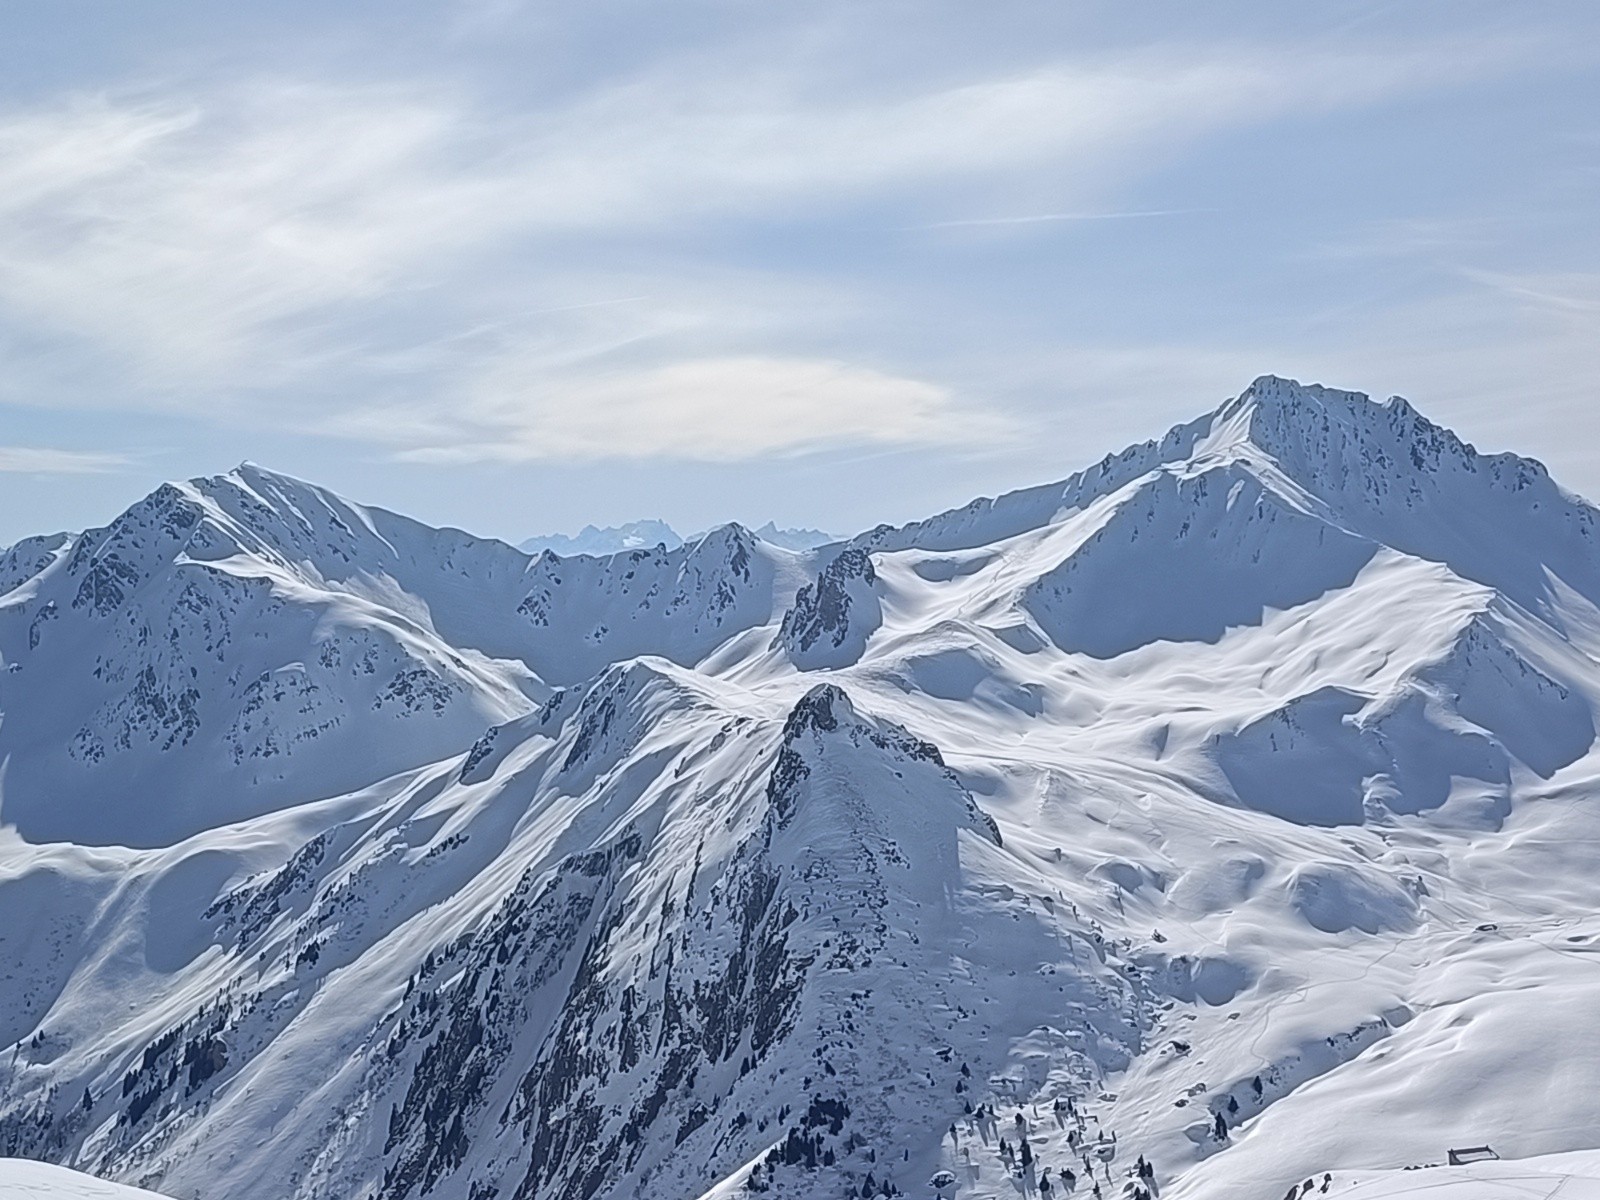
(520, 267)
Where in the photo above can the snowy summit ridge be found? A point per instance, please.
(1205, 809)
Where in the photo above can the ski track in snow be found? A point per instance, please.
(1249, 772)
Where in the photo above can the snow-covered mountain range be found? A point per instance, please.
(1228, 806)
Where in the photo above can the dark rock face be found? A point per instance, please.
(480, 753)
(623, 1073)
(608, 1068)
(832, 618)
(248, 909)
(467, 1021)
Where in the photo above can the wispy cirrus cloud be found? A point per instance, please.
(714, 409)
(40, 460)
(270, 249)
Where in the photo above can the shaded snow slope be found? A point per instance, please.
(1186, 558)
(1238, 790)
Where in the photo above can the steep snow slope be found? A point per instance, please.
(1238, 790)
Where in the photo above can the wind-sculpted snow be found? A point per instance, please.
(1541, 723)
(1210, 807)
(1456, 727)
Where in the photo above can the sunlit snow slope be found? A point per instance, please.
(1229, 804)
(23, 1180)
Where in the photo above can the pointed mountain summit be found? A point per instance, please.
(217, 650)
(1387, 472)
(1358, 458)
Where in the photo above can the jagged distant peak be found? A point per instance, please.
(611, 539)
(794, 539)
(731, 542)
(648, 534)
(634, 542)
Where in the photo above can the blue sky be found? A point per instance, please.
(519, 267)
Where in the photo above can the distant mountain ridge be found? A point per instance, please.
(1237, 789)
(613, 539)
(639, 535)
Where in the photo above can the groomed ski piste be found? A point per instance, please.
(1228, 806)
